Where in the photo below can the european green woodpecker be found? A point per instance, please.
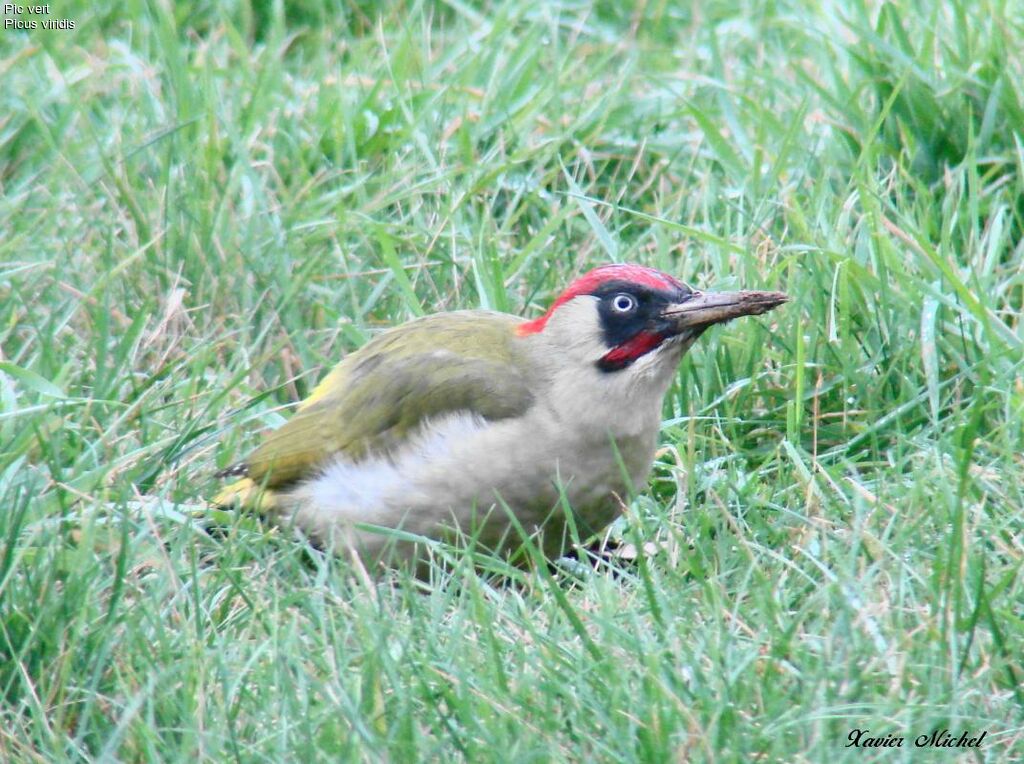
(458, 421)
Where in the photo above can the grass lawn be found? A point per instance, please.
(204, 205)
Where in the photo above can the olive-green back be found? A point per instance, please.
(381, 394)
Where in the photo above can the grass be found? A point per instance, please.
(203, 205)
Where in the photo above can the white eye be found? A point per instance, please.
(624, 303)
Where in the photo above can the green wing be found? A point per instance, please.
(381, 394)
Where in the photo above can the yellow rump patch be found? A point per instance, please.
(245, 494)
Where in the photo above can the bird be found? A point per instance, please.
(486, 427)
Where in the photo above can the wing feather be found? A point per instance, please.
(382, 394)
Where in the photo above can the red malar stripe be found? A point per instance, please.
(623, 355)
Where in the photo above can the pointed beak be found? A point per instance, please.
(703, 309)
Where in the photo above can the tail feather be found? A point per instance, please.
(240, 469)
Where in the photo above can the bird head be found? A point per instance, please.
(632, 320)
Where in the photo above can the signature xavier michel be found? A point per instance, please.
(859, 738)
